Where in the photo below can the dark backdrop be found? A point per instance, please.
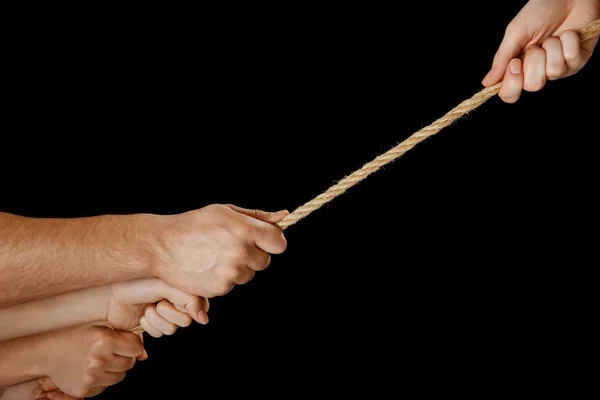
(466, 255)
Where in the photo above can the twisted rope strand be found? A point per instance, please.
(588, 32)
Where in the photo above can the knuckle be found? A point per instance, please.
(187, 322)
(283, 243)
(139, 348)
(509, 99)
(240, 254)
(101, 343)
(119, 376)
(195, 303)
(243, 229)
(535, 51)
(262, 262)
(549, 42)
(223, 288)
(280, 243)
(162, 307)
(95, 363)
(230, 273)
(247, 277)
(568, 35)
(80, 391)
(130, 363)
(95, 391)
(534, 86)
(87, 382)
(151, 310)
(217, 207)
(554, 73)
(571, 56)
(170, 330)
(103, 336)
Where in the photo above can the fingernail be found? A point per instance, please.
(50, 395)
(515, 67)
(203, 317)
(145, 354)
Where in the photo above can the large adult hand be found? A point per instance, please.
(208, 251)
(540, 44)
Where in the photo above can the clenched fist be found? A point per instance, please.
(541, 44)
(208, 251)
(83, 361)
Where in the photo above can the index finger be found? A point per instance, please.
(272, 217)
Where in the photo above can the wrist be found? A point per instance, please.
(149, 230)
(42, 347)
(23, 359)
(154, 229)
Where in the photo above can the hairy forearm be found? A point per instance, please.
(20, 360)
(41, 257)
(55, 312)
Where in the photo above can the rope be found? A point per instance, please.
(588, 32)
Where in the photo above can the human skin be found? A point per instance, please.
(36, 389)
(82, 361)
(204, 252)
(541, 44)
(123, 305)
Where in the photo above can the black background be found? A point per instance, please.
(467, 254)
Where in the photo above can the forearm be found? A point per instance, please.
(68, 309)
(21, 360)
(41, 257)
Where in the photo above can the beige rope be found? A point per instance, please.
(588, 32)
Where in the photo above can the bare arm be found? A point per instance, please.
(81, 361)
(204, 252)
(41, 257)
(18, 360)
(123, 305)
(68, 309)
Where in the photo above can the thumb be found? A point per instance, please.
(511, 46)
(271, 217)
